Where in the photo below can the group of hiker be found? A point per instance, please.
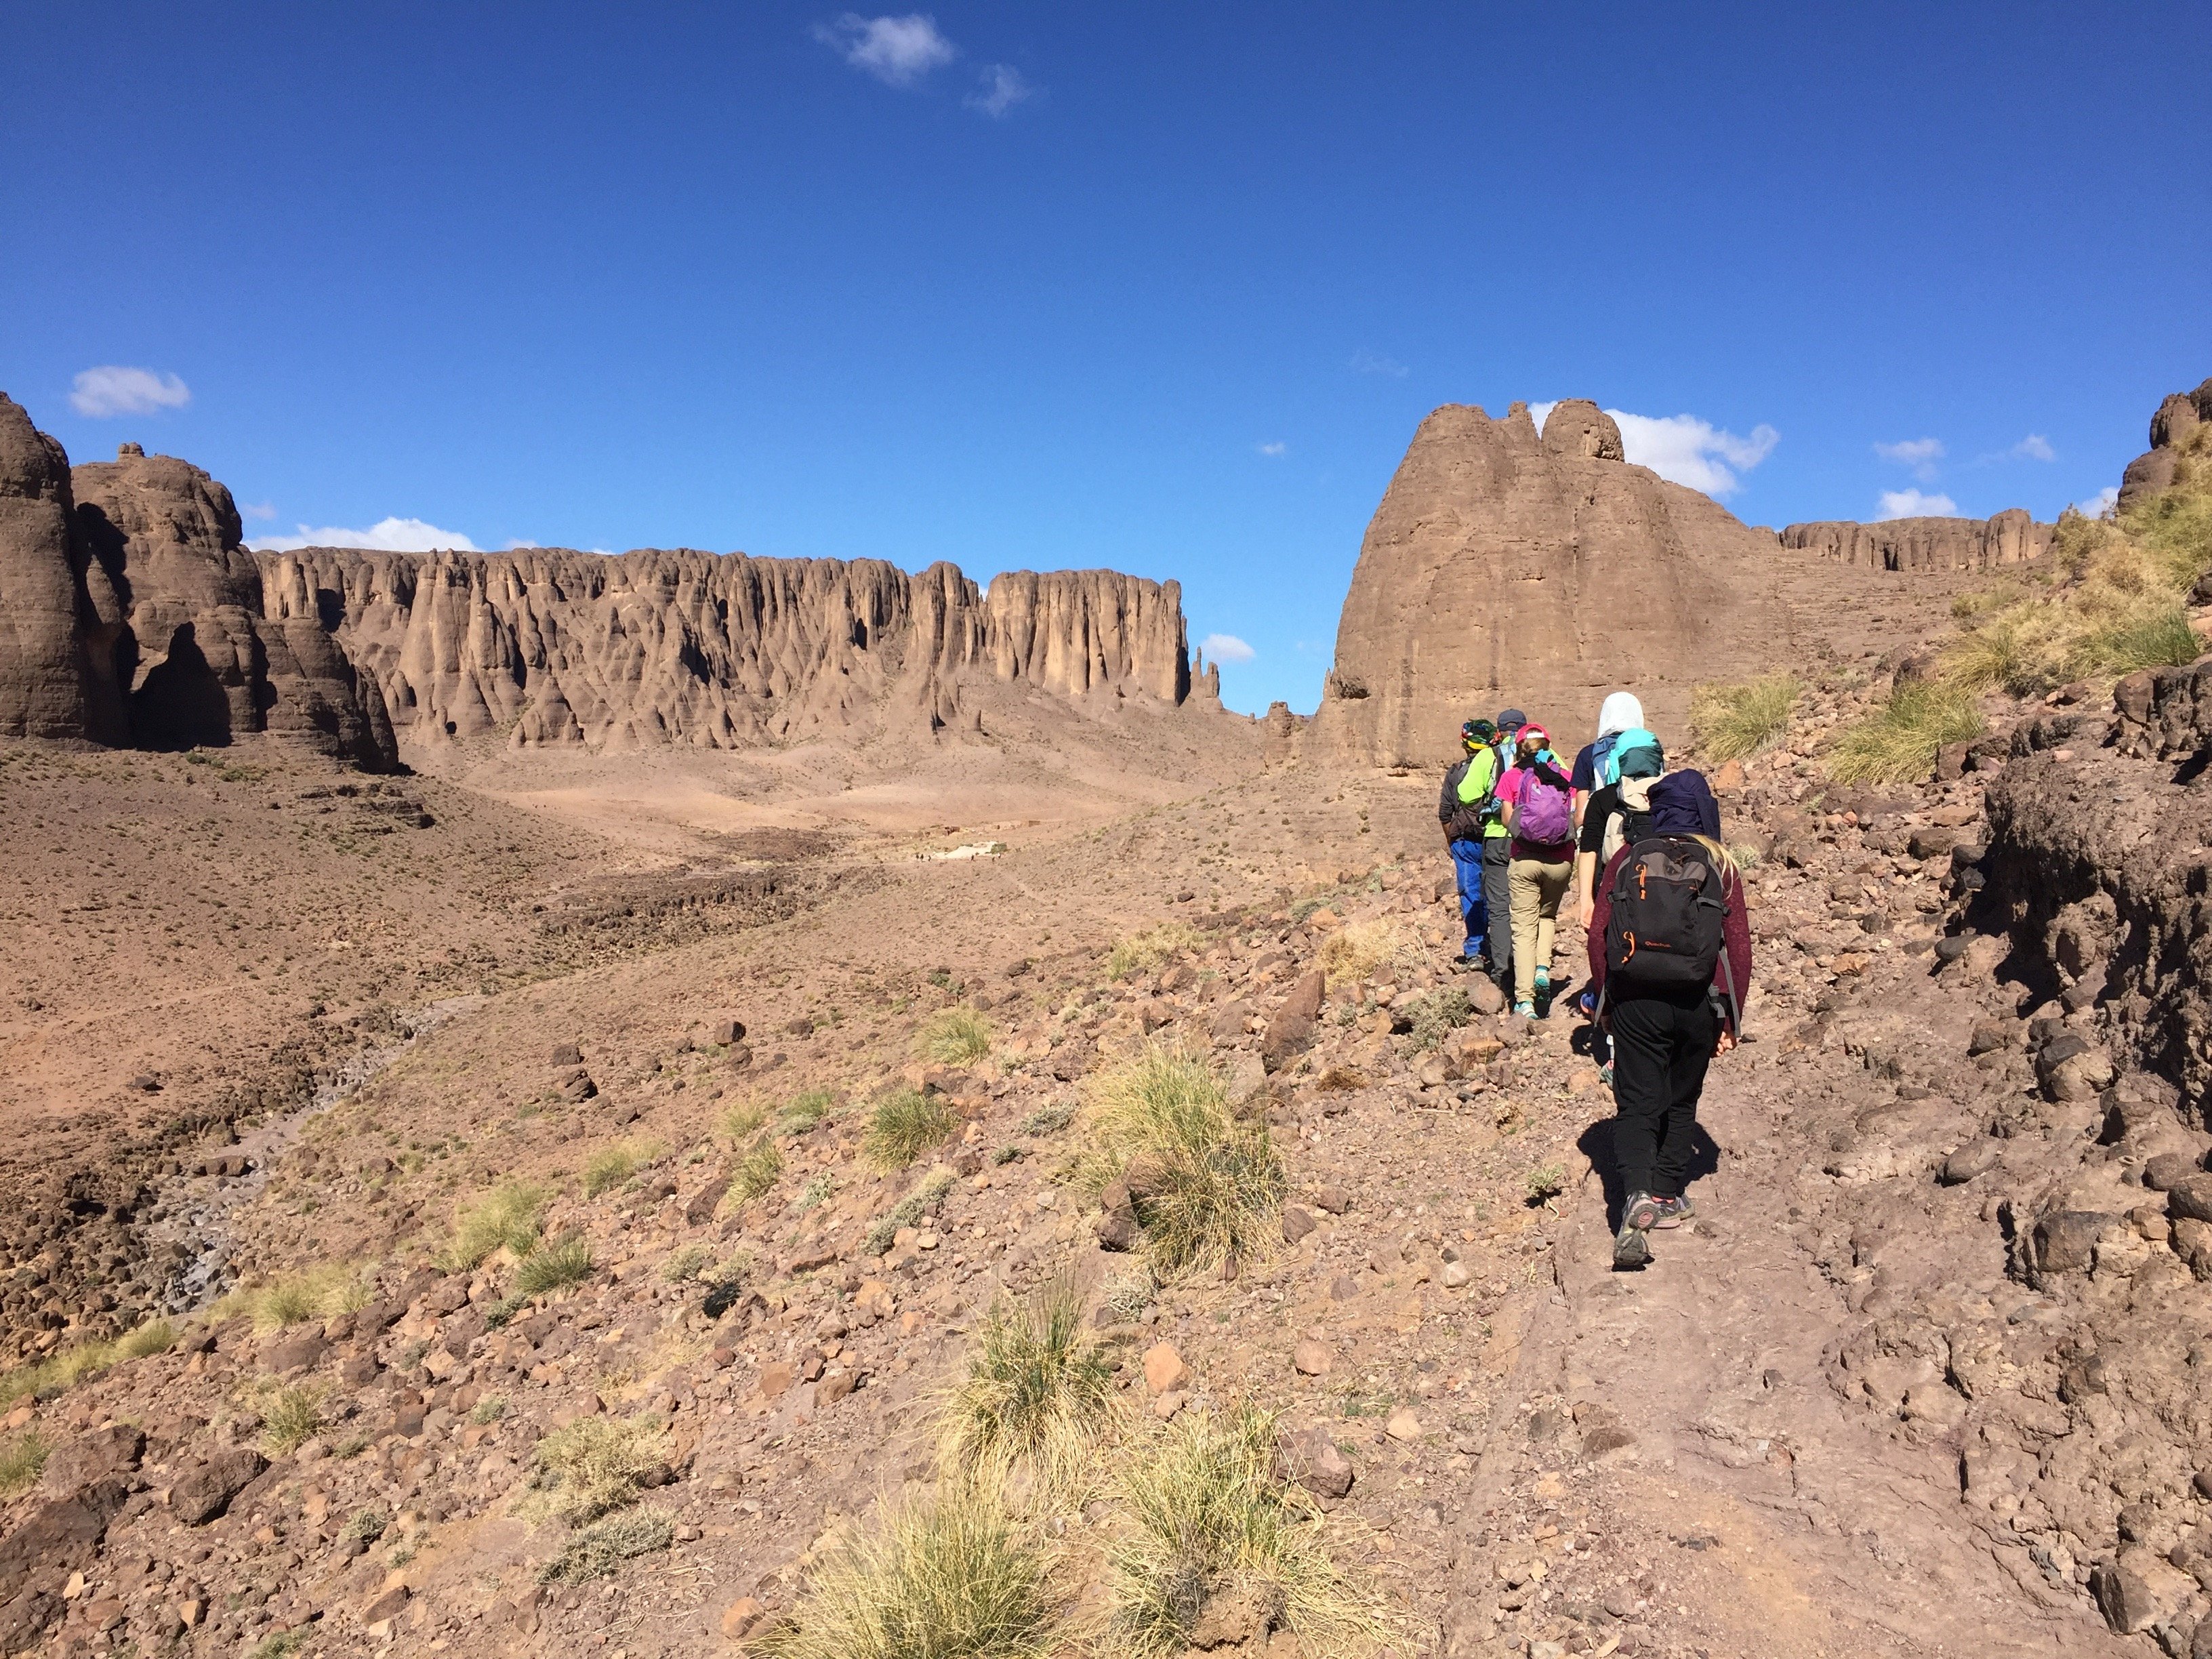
(1632, 853)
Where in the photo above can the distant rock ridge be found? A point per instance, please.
(550, 645)
(2011, 536)
(1542, 567)
(2178, 417)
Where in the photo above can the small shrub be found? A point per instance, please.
(1140, 953)
(1131, 1293)
(1037, 1391)
(508, 1218)
(279, 1645)
(1546, 1182)
(903, 1126)
(553, 1266)
(290, 1417)
(1437, 1014)
(605, 1545)
(687, 1264)
(1732, 722)
(610, 1167)
(1898, 743)
(1206, 1186)
(950, 1576)
(1356, 950)
(1213, 1516)
(816, 1191)
(908, 1211)
(489, 1409)
(598, 1464)
(1048, 1119)
(22, 1460)
(956, 1037)
(365, 1525)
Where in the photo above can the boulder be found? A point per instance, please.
(2066, 1240)
(1291, 1028)
(58, 1536)
(1313, 1460)
(93, 1457)
(205, 1490)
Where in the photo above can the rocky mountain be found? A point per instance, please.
(1505, 563)
(2178, 415)
(2011, 536)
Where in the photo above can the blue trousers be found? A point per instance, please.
(1467, 867)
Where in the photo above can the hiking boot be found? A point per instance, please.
(1605, 1074)
(1642, 1211)
(1543, 982)
(1526, 1010)
(1629, 1248)
(1674, 1211)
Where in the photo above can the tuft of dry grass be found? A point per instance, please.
(743, 1121)
(42, 1378)
(1356, 950)
(294, 1299)
(956, 1037)
(1142, 953)
(1206, 1186)
(758, 1172)
(953, 1574)
(555, 1265)
(804, 1111)
(1898, 741)
(1212, 1518)
(1038, 1394)
(599, 1464)
(289, 1417)
(902, 1126)
(22, 1460)
(601, 1547)
(1732, 722)
(508, 1217)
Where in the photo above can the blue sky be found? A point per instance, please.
(1161, 288)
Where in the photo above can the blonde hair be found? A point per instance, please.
(1722, 856)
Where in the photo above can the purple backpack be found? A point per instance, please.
(1547, 811)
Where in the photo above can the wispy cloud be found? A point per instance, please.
(1226, 647)
(2035, 447)
(896, 50)
(1686, 450)
(1915, 504)
(260, 512)
(1370, 363)
(1004, 86)
(385, 536)
(1921, 454)
(1272, 451)
(112, 388)
(2101, 504)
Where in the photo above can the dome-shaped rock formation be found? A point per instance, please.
(55, 644)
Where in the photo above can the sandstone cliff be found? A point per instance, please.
(2178, 417)
(1542, 570)
(547, 645)
(2010, 538)
(56, 650)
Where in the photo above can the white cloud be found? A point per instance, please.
(1921, 454)
(1271, 451)
(1004, 86)
(1541, 412)
(2101, 504)
(1368, 362)
(1226, 647)
(385, 536)
(261, 512)
(2035, 447)
(1913, 504)
(111, 390)
(1686, 450)
(896, 50)
(517, 544)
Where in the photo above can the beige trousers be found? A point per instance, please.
(1537, 888)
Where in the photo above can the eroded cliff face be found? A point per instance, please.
(1503, 566)
(2011, 536)
(55, 644)
(547, 646)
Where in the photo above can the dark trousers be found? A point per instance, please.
(1660, 1052)
(1497, 896)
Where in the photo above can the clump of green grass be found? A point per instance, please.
(953, 1574)
(508, 1217)
(1207, 1187)
(554, 1266)
(1898, 741)
(1993, 654)
(1212, 1517)
(743, 1121)
(956, 1037)
(604, 1545)
(1438, 1014)
(1733, 722)
(289, 1417)
(599, 1464)
(2156, 635)
(1038, 1394)
(22, 1460)
(756, 1172)
(909, 1211)
(902, 1126)
(610, 1166)
(804, 1111)
(1140, 953)
(155, 1336)
(1546, 1182)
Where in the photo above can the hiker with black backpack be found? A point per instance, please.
(1670, 960)
(1467, 809)
(1539, 817)
(1497, 863)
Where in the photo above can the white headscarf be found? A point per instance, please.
(1622, 712)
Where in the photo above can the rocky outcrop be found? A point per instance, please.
(2172, 428)
(2011, 536)
(1541, 569)
(549, 647)
(56, 646)
(204, 657)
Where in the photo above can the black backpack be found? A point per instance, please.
(1669, 906)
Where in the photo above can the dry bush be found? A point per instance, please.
(599, 1548)
(1356, 950)
(289, 1417)
(1142, 953)
(1207, 1187)
(1898, 741)
(1213, 1518)
(953, 1574)
(598, 1464)
(902, 1126)
(1731, 722)
(315, 1292)
(743, 1121)
(956, 1037)
(610, 1167)
(508, 1217)
(1038, 1394)
(1436, 1014)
